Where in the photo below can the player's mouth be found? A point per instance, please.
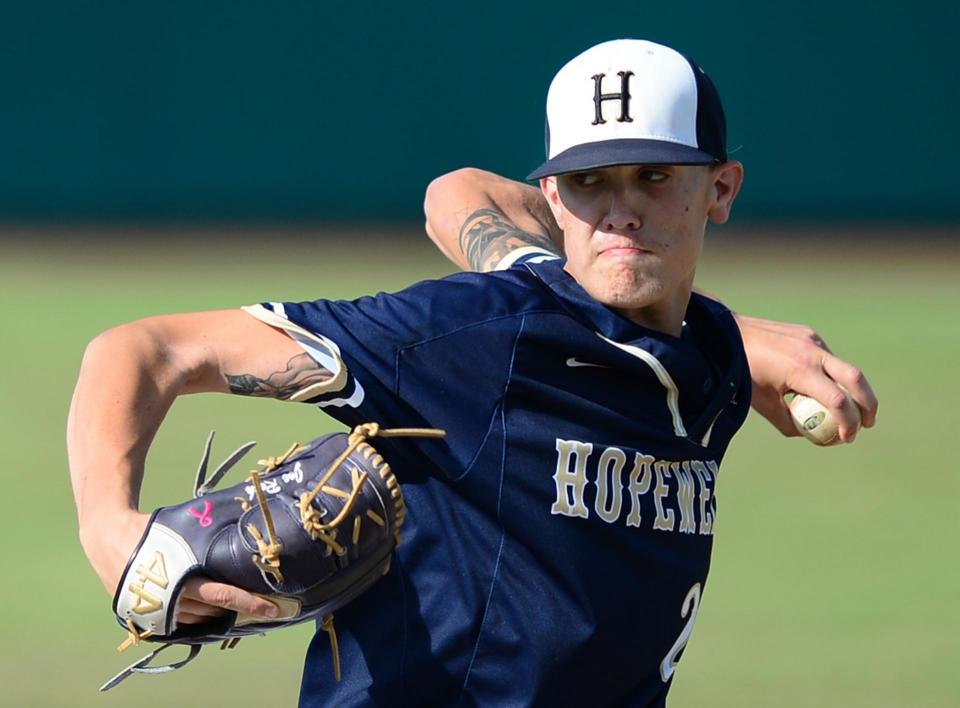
(624, 251)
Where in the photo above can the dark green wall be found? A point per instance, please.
(247, 109)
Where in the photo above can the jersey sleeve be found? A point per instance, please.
(358, 342)
(417, 358)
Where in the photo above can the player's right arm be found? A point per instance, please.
(128, 380)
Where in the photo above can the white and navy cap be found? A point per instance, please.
(632, 102)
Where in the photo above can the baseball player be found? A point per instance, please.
(482, 222)
(558, 539)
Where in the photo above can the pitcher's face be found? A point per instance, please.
(633, 233)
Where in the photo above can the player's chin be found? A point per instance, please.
(628, 285)
(628, 293)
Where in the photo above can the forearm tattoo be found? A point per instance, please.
(487, 235)
(302, 371)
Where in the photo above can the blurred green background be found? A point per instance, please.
(305, 109)
(834, 582)
(183, 156)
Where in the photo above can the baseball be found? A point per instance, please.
(815, 422)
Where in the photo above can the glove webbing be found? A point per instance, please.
(203, 485)
(310, 517)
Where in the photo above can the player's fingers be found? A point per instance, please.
(228, 596)
(191, 611)
(188, 618)
(816, 384)
(188, 606)
(770, 404)
(854, 380)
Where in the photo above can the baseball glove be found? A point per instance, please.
(310, 531)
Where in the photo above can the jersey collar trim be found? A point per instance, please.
(711, 317)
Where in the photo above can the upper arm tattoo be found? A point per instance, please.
(301, 371)
(487, 235)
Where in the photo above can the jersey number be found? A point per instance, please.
(691, 603)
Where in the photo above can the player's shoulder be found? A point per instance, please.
(714, 310)
(517, 287)
(434, 308)
(426, 310)
(716, 330)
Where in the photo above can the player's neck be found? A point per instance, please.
(665, 316)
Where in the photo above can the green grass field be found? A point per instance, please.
(835, 578)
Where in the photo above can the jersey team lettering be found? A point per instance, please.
(648, 475)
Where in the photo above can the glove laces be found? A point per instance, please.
(310, 517)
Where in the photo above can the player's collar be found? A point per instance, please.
(713, 323)
(610, 323)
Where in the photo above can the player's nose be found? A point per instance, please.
(623, 214)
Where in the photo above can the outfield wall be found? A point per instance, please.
(318, 110)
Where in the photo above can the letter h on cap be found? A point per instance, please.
(623, 96)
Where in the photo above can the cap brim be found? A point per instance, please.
(608, 153)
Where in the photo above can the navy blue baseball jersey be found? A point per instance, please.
(558, 539)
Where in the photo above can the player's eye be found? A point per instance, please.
(585, 179)
(649, 175)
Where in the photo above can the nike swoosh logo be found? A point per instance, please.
(573, 362)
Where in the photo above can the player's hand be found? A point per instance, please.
(203, 599)
(787, 358)
(109, 547)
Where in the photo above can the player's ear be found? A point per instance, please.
(727, 177)
(548, 185)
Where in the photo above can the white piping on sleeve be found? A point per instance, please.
(514, 256)
(354, 401)
(324, 351)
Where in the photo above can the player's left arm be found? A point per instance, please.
(476, 218)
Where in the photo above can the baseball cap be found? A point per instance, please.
(632, 102)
